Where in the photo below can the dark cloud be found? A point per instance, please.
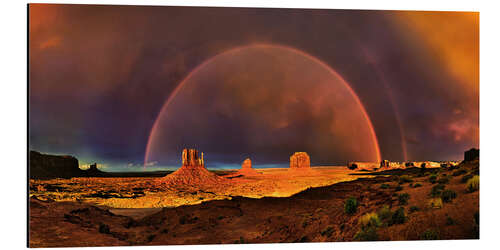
(100, 74)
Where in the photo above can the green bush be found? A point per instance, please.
(429, 234)
(369, 220)
(384, 186)
(465, 178)
(448, 195)
(366, 234)
(385, 214)
(432, 178)
(351, 205)
(398, 217)
(416, 185)
(437, 190)
(473, 184)
(403, 198)
(414, 209)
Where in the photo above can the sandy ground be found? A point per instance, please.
(140, 192)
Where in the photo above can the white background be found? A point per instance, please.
(13, 119)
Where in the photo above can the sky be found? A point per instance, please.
(129, 87)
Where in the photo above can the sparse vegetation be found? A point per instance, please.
(429, 234)
(443, 180)
(448, 195)
(459, 172)
(367, 234)
(398, 217)
(403, 198)
(351, 205)
(437, 190)
(465, 178)
(435, 203)
(385, 214)
(384, 186)
(416, 185)
(473, 184)
(405, 179)
(328, 231)
(432, 178)
(414, 209)
(369, 220)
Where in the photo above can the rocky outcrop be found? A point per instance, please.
(472, 154)
(300, 160)
(43, 166)
(190, 158)
(193, 172)
(246, 168)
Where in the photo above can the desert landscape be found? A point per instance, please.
(298, 204)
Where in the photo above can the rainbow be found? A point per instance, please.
(236, 49)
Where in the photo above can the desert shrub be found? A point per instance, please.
(450, 221)
(473, 184)
(405, 179)
(384, 214)
(448, 195)
(459, 172)
(399, 188)
(369, 220)
(466, 177)
(432, 178)
(351, 205)
(104, 229)
(416, 185)
(403, 198)
(414, 209)
(443, 180)
(366, 234)
(435, 203)
(327, 232)
(384, 186)
(398, 217)
(429, 234)
(437, 190)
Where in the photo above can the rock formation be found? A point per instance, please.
(300, 160)
(246, 168)
(471, 154)
(192, 172)
(53, 166)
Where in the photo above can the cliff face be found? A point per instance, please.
(471, 154)
(53, 166)
(300, 160)
(191, 158)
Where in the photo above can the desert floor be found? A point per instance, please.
(276, 206)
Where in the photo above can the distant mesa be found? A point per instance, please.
(43, 166)
(192, 172)
(387, 165)
(300, 161)
(246, 168)
(471, 154)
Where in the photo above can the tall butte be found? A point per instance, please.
(246, 168)
(192, 172)
(300, 161)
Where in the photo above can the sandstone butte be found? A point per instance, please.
(246, 168)
(300, 161)
(192, 172)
